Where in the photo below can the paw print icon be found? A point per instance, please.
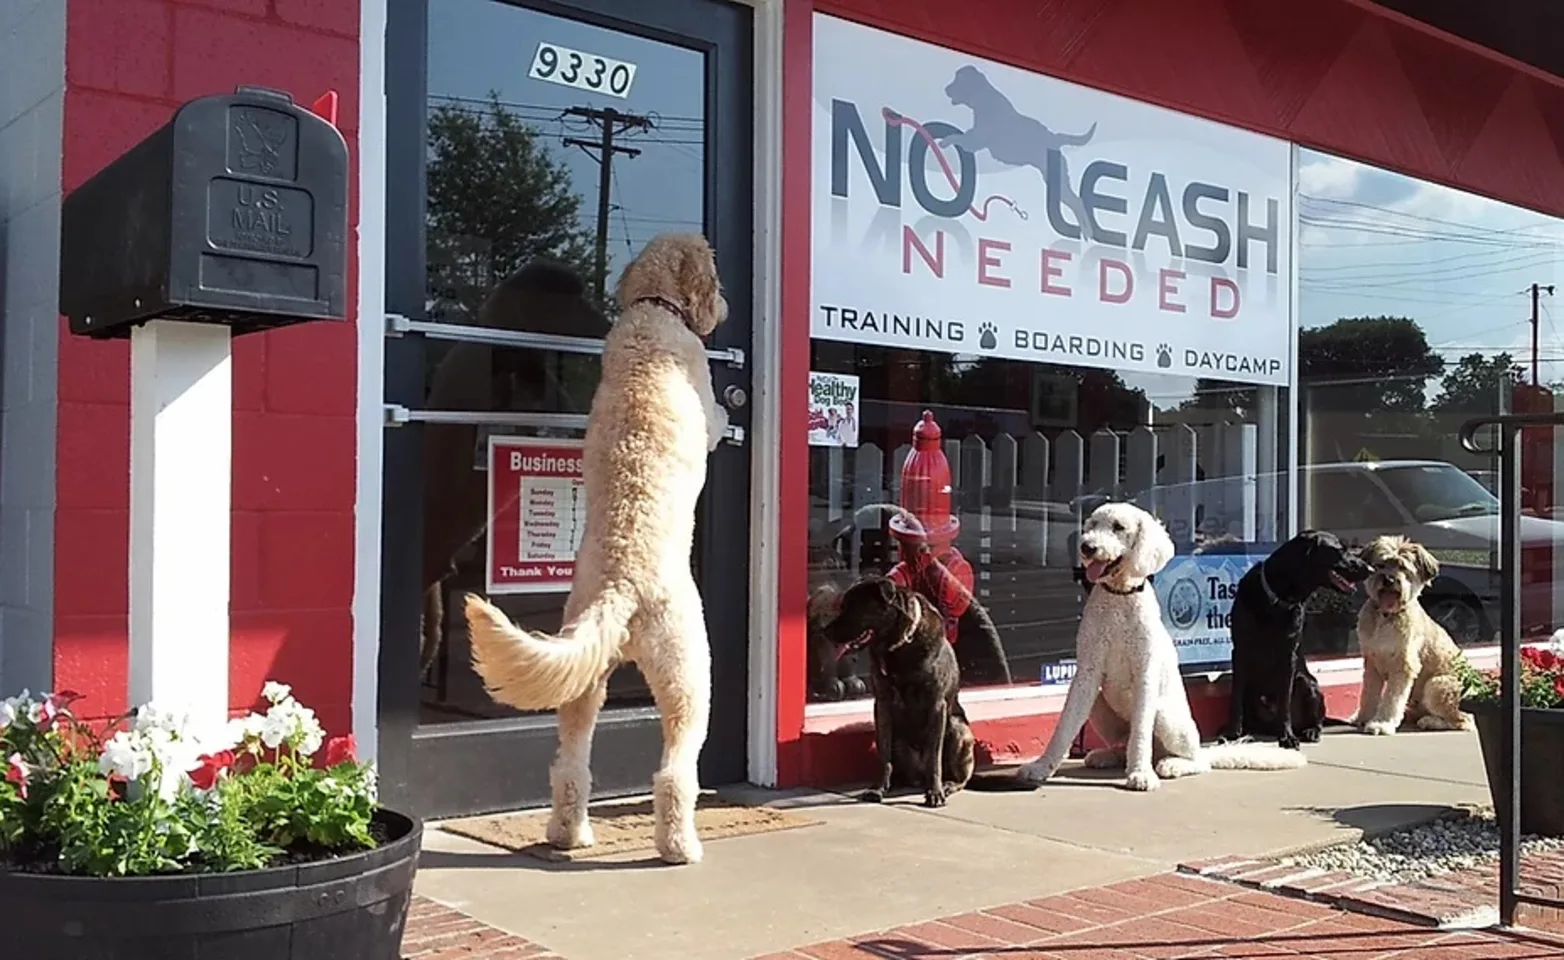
(987, 335)
(1164, 356)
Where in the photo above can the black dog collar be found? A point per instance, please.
(1265, 584)
(671, 307)
(1124, 593)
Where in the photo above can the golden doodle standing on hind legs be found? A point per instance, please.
(654, 420)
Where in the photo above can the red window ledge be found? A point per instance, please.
(1013, 724)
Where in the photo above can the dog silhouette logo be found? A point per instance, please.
(1015, 139)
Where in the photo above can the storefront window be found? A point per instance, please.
(1030, 298)
(1416, 308)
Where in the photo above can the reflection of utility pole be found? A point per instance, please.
(1536, 295)
(612, 122)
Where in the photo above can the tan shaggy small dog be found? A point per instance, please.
(1409, 661)
(654, 419)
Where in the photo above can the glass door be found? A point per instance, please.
(542, 145)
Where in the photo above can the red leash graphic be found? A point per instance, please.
(978, 212)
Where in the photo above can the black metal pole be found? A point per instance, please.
(1508, 809)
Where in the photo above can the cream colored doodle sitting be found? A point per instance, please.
(1127, 675)
(1411, 667)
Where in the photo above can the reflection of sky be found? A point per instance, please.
(478, 46)
(1376, 243)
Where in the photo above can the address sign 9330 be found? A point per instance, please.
(583, 71)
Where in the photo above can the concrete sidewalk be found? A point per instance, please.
(876, 868)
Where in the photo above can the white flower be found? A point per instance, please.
(276, 692)
(126, 755)
(244, 733)
(275, 729)
(289, 722)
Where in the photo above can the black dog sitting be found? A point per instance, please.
(920, 731)
(1274, 694)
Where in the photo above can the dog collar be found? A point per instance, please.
(1126, 593)
(671, 307)
(1265, 584)
(912, 627)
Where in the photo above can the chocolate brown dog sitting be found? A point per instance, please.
(920, 731)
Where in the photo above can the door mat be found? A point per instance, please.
(623, 827)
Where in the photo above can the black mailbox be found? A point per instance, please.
(235, 212)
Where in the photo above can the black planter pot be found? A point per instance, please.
(1542, 756)
(351, 908)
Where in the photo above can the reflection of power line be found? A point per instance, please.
(610, 123)
(1419, 234)
(662, 121)
(1537, 289)
(624, 221)
(1471, 228)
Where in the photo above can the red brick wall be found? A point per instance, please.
(129, 63)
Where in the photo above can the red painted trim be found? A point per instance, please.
(792, 390)
(1487, 53)
(840, 751)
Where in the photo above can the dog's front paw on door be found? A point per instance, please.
(1142, 781)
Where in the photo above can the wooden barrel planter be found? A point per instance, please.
(1542, 755)
(348, 908)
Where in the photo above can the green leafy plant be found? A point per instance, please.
(153, 795)
(1541, 686)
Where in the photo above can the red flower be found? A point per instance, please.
(212, 766)
(1558, 686)
(340, 750)
(17, 771)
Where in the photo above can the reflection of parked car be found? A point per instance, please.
(1448, 511)
(1488, 478)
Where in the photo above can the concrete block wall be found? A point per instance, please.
(32, 99)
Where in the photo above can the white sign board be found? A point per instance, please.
(965, 206)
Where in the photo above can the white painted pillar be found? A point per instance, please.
(181, 445)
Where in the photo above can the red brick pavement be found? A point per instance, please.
(1165, 917)
(1157, 918)
(436, 932)
(1459, 898)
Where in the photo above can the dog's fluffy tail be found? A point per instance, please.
(536, 671)
(1252, 755)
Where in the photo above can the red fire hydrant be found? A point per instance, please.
(925, 533)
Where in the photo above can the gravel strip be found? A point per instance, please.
(1417, 853)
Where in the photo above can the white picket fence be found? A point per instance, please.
(1021, 499)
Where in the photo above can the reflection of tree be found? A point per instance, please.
(497, 201)
(1476, 384)
(1370, 364)
(1104, 398)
